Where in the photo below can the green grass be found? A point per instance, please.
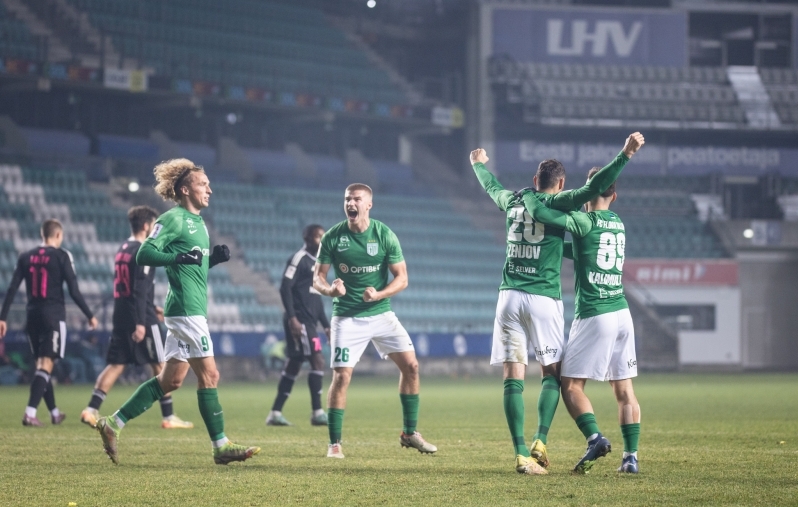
(706, 440)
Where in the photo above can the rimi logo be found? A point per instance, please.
(602, 34)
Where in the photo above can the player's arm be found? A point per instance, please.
(16, 279)
(488, 181)
(151, 252)
(568, 250)
(286, 286)
(397, 285)
(141, 289)
(577, 223)
(574, 199)
(74, 290)
(335, 289)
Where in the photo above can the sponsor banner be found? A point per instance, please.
(524, 156)
(433, 345)
(122, 79)
(687, 272)
(606, 36)
(447, 116)
(18, 67)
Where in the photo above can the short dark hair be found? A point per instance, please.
(50, 227)
(138, 216)
(549, 171)
(610, 190)
(309, 230)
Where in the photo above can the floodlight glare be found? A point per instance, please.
(133, 186)
(748, 233)
(371, 4)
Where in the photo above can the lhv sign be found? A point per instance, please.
(595, 38)
(606, 36)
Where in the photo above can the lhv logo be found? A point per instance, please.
(599, 34)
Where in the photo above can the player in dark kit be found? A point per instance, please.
(136, 337)
(303, 310)
(45, 269)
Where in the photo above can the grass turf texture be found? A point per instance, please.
(706, 439)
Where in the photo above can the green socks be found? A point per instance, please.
(587, 424)
(211, 412)
(147, 393)
(409, 413)
(514, 411)
(335, 424)
(631, 435)
(547, 405)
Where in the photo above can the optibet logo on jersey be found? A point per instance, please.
(372, 248)
(343, 268)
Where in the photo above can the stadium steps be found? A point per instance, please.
(57, 51)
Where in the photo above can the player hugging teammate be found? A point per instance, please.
(530, 312)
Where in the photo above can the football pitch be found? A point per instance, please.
(706, 440)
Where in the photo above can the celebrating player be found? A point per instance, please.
(602, 341)
(303, 311)
(529, 310)
(136, 337)
(45, 269)
(179, 241)
(363, 251)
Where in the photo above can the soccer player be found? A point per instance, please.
(529, 309)
(179, 241)
(136, 337)
(45, 269)
(303, 311)
(602, 341)
(363, 251)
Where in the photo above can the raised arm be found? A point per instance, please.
(488, 181)
(572, 200)
(577, 223)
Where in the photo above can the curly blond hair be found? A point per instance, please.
(171, 174)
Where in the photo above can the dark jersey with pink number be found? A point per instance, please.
(45, 269)
(134, 290)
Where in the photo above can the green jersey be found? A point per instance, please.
(598, 251)
(534, 251)
(598, 266)
(180, 231)
(361, 260)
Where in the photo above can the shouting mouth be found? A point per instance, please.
(351, 213)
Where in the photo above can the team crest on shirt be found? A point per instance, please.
(372, 248)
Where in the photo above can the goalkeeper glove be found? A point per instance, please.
(220, 254)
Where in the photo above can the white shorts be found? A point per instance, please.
(523, 319)
(601, 348)
(187, 337)
(351, 335)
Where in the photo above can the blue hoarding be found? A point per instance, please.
(590, 36)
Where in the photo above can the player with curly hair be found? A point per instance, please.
(179, 241)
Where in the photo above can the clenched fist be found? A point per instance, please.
(479, 155)
(633, 143)
(370, 294)
(337, 288)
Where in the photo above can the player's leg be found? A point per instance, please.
(169, 420)
(543, 320)
(284, 387)
(588, 357)
(102, 386)
(349, 338)
(336, 403)
(315, 377)
(48, 340)
(509, 349)
(56, 416)
(623, 366)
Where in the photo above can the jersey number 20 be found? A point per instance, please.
(533, 231)
(611, 250)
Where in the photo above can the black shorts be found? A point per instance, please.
(307, 345)
(123, 350)
(46, 335)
